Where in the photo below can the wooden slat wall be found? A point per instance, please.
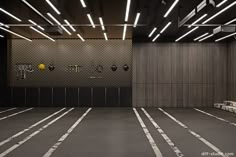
(179, 75)
(232, 71)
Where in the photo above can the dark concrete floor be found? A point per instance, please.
(114, 132)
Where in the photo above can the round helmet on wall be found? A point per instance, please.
(41, 67)
(126, 67)
(113, 67)
(51, 67)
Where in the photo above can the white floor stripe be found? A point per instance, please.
(211, 115)
(7, 110)
(148, 135)
(59, 142)
(14, 114)
(166, 138)
(217, 150)
(29, 128)
(18, 144)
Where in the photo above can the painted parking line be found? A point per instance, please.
(59, 142)
(18, 144)
(7, 110)
(166, 138)
(148, 135)
(29, 128)
(14, 114)
(216, 117)
(217, 150)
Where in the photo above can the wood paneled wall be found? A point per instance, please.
(179, 74)
(232, 71)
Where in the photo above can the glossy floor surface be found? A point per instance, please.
(116, 132)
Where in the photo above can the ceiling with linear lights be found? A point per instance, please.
(139, 20)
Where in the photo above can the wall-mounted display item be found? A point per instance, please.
(51, 67)
(75, 68)
(42, 67)
(99, 68)
(114, 67)
(22, 69)
(126, 67)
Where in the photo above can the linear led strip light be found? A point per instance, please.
(1, 36)
(136, 19)
(221, 3)
(166, 26)
(105, 36)
(152, 32)
(220, 12)
(83, 3)
(16, 34)
(202, 17)
(2, 24)
(211, 35)
(91, 20)
(71, 27)
(54, 19)
(228, 23)
(53, 7)
(124, 32)
(186, 34)
(201, 36)
(102, 24)
(157, 36)
(80, 37)
(42, 34)
(35, 24)
(171, 8)
(127, 10)
(36, 11)
(9, 14)
(225, 37)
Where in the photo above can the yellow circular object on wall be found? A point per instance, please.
(41, 66)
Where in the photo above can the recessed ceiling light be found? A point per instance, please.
(225, 37)
(201, 36)
(54, 19)
(232, 21)
(105, 35)
(220, 12)
(221, 3)
(36, 11)
(91, 20)
(53, 7)
(158, 35)
(152, 32)
(102, 24)
(124, 32)
(80, 37)
(83, 3)
(1, 36)
(36, 25)
(9, 14)
(136, 19)
(202, 17)
(171, 8)
(167, 25)
(71, 27)
(186, 34)
(42, 34)
(211, 35)
(127, 10)
(16, 34)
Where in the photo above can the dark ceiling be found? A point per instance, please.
(113, 14)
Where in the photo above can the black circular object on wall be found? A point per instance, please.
(126, 67)
(113, 67)
(51, 67)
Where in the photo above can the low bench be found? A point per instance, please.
(227, 106)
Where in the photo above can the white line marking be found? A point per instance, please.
(8, 110)
(32, 126)
(14, 114)
(217, 150)
(59, 142)
(18, 144)
(148, 135)
(211, 115)
(166, 138)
